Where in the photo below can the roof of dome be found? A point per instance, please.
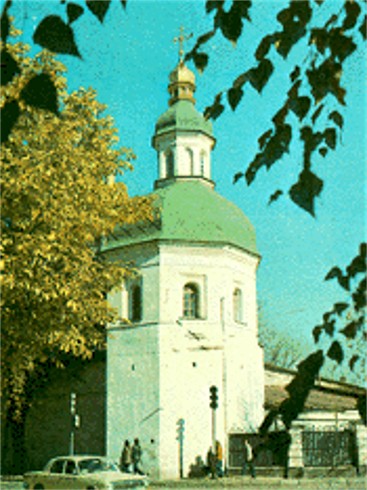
(183, 116)
(182, 74)
(191, 211)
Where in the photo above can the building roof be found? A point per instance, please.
(316, 400)
(327, 395)
(191, 211)
(183, 116)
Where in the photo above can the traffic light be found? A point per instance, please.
(73, 403)
(213, 397)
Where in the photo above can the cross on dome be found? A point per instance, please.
(180, 40)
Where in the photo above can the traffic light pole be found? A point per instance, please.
(214, 405)
(72, 413)
(180, 438)
(214, 430)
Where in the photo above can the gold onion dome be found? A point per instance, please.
(182, 84)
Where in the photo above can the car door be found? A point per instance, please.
(55, 478)
(70, 477)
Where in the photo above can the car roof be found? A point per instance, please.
(78, 457)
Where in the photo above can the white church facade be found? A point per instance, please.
(187, 322)
(191, 307)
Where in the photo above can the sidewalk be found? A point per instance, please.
(238, 482)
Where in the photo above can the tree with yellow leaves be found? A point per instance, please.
(60, 200)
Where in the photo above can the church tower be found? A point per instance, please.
(191, 307)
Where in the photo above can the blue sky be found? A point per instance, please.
(128, 60)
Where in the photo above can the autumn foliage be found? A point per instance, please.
(60, 200)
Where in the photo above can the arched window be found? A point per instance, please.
(237, 305)
(170, 167)
(202, 162)
(190, 301)
(190, 159)
(136, 304)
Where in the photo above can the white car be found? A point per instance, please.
(82, 473)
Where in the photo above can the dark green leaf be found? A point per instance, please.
(200, 60)
(205, 38)
(316, 332)
(237, 177)
(213, 5)
(279, 118)
(363, 28)
(352, 361)
(230, 23)
(295, 74)
(325, 79)
(300, 106)
(337, 118)
(240, 80)
(359, 296)
(74, 11)
(242, 9)
(340, 307)
(275, 196)
(352, 11)
(329, 327)
(335, 352)
(293, 91)
(234, 96)
(260, 75)
(341, 46)
(350, 330)
(264, 46)
(320, 37)
(9, 67)
(9, 116)
(305, 190)
(253, 168)
(264, 138)
(52, 33)
(330, 137)
(40, 92)
(323, 151)
(316, 114)
(357, 266)
(123, 4)
(216, 109)
(98, 8)
(333, 18)
(5, 23)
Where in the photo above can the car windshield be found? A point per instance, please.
(93, 465)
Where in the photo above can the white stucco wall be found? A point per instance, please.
(178, 145)
(160, 370)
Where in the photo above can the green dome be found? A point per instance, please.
(183, 116)
(192, 212)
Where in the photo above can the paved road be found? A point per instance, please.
(240, 483)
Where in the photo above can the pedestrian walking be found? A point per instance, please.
(211, 463)
(249, 459)
(126, 458)
(219, 459)
(136, 453)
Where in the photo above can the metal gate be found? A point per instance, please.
(329, 448)
(269, 451)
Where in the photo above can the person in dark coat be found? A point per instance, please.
(136, 453)
(126, 458)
